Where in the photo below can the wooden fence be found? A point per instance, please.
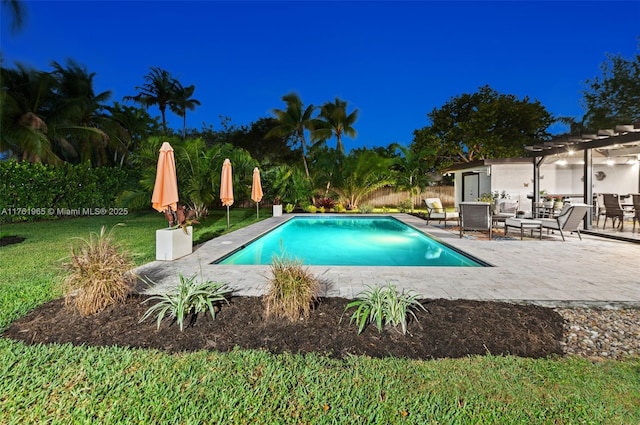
(389, 197)
(386, 197)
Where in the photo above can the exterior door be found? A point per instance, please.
(470, 187)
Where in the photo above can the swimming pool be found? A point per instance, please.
(349, 241)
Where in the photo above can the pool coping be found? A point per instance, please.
(592, 272)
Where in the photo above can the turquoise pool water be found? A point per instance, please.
(352, 241)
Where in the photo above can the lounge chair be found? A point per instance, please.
(568, 220)
(475, 216)
(435, 211)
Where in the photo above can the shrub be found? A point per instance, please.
(326, 203)
(405, 205)
(384, 306)
(100, 274)
(311, 209)
(340, 208)
(190, 298)
(292, 290)
(53, 190)
(321, 210)
(366, 209)
(288, 208)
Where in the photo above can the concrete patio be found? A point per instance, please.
(592, 272)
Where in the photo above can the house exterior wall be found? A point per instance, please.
(517, 180)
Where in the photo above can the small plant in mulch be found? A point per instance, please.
(383, 306)
(100, 274)
(292, 290)
(190, 298)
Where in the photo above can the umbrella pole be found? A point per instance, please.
(227, 217)
(257, 213)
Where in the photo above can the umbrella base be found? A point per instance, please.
(172, 244)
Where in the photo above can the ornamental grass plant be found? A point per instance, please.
(190, 298)
(99, 273)
(384, 305)
(292, 290)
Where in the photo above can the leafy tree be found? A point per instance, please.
(159, 90)
(482, 125)
(294, 121)
(361, 172)
(183, 102)
(614, 97)
(334, 121)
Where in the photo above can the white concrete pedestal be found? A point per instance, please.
(173, 243)
(277, 210)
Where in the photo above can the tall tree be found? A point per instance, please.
(17, 13)
(334, 121)
(78, 118)
(482, 125)
(159, 90)
(26, 97)
(182, 101)
(294, 121)
(614, 97)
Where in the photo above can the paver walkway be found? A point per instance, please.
(591, 272)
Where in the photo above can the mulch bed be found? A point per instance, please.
(10, 240)
(450, 328)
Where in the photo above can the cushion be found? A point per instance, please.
(437, 205)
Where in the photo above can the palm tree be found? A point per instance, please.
(26, 97)
(18, 13)
(334, 121)
(360, 173)
(183, 101)
(158, 90)
(79, 123)
(410, 171)
(293, 121)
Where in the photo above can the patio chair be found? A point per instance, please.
(615, 211)
(475, 216)
(435, 211)
(568, 220)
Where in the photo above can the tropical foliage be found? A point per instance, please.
(360, 173)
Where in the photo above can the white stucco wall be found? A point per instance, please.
(517, 180)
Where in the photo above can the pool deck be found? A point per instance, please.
(594, 272)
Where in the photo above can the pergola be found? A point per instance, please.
(619, 144)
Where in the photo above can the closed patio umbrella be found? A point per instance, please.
(256, 189)
(226, 186)
(165, 189)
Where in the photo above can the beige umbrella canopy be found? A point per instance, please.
(256, 189)
(165, 189)
(226, 186)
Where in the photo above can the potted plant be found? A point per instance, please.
(277, 207)
(176, 240)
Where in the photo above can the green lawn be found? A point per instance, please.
(65, 384)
